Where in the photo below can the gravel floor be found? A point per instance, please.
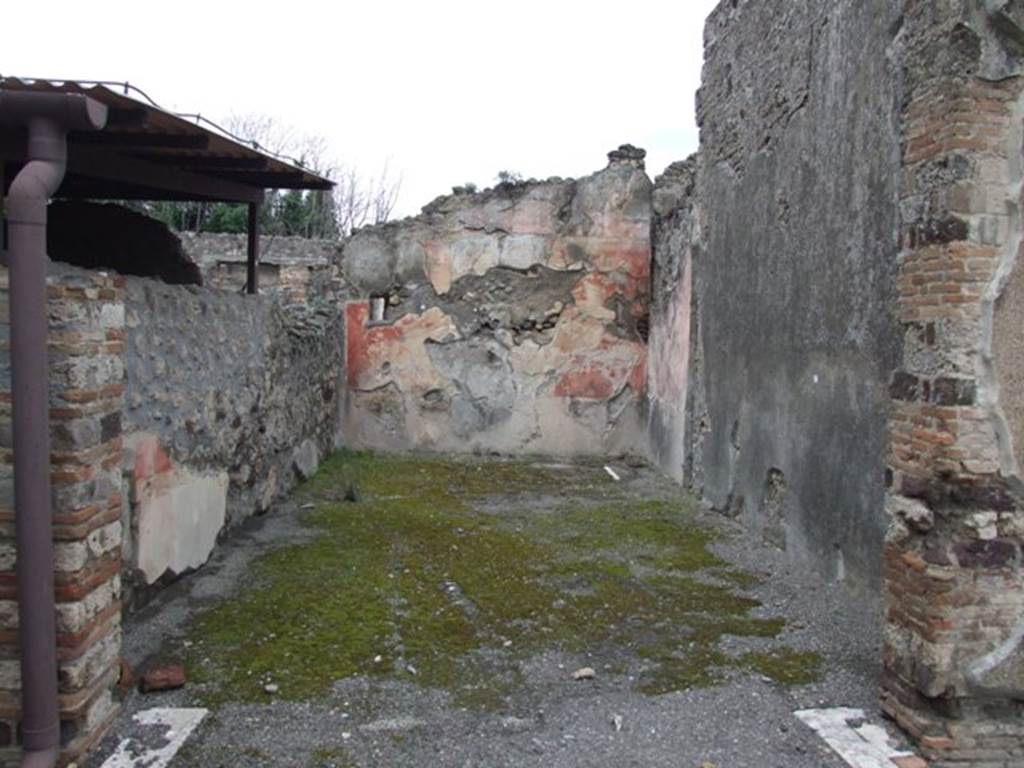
(548, 718)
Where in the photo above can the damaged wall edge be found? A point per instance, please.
(515, 319)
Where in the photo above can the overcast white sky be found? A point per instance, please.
(445, 91)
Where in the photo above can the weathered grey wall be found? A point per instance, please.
(291, 268)
(795, 279)
(515, 319)
(228, 400)
(674, 235)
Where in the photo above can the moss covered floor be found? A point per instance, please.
(454, 573)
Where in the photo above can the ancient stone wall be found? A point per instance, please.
(855, 360)
(229, 400)
(175, 412)
(293, 269)
(86, 388)
(674, 237)
(954, 589)
(793, 283)
(511, 320)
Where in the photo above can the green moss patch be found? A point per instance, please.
(449, 573)
(784, 665)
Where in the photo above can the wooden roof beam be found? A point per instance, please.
(200, 162)
(131, 171)
(140, 140)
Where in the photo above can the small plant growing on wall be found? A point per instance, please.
(509, 177)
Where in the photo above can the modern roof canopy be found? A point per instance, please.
(83, 140)
(148, 153)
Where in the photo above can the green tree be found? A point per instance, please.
(354, 202)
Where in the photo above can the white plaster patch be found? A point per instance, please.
(523, 251)
(474, 255)
(863, 746)
(178, 524)
(178, 725)
(981, 668)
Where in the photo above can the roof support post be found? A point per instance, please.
(252, 281)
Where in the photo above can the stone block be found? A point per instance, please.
(306, 459)
(71, 556)
(166, 678)
(73, 617)
(92, 665)
(76, 434)
(984, 554)
(473, 254)
(524, 251)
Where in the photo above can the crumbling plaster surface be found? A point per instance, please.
(229, 400)
(795, 277)
(674, 237)
(1005, 368)
(515, 319)
(178, 514)
(1001, 361)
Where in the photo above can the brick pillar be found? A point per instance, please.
(954, 588)
(86, 388)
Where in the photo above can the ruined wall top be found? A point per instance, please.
(517, 225)
(511, 320)
(208, 248)
(675, 186)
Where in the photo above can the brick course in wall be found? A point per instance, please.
(953, 582)
(244, 405)
(86, 344)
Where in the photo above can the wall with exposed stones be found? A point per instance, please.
(954, 584)
(86, 344)
(833, 292)
(294, 269)
(229, 400)
(513, 320)
(176, 411)
(794, 278)
(852, 380)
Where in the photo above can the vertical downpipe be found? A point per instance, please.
(48, 117)
(26, 215)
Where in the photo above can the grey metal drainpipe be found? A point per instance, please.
(48, 117)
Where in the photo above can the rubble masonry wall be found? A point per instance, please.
(514, 319)
(229, 400)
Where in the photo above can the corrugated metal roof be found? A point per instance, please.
(149, 153)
